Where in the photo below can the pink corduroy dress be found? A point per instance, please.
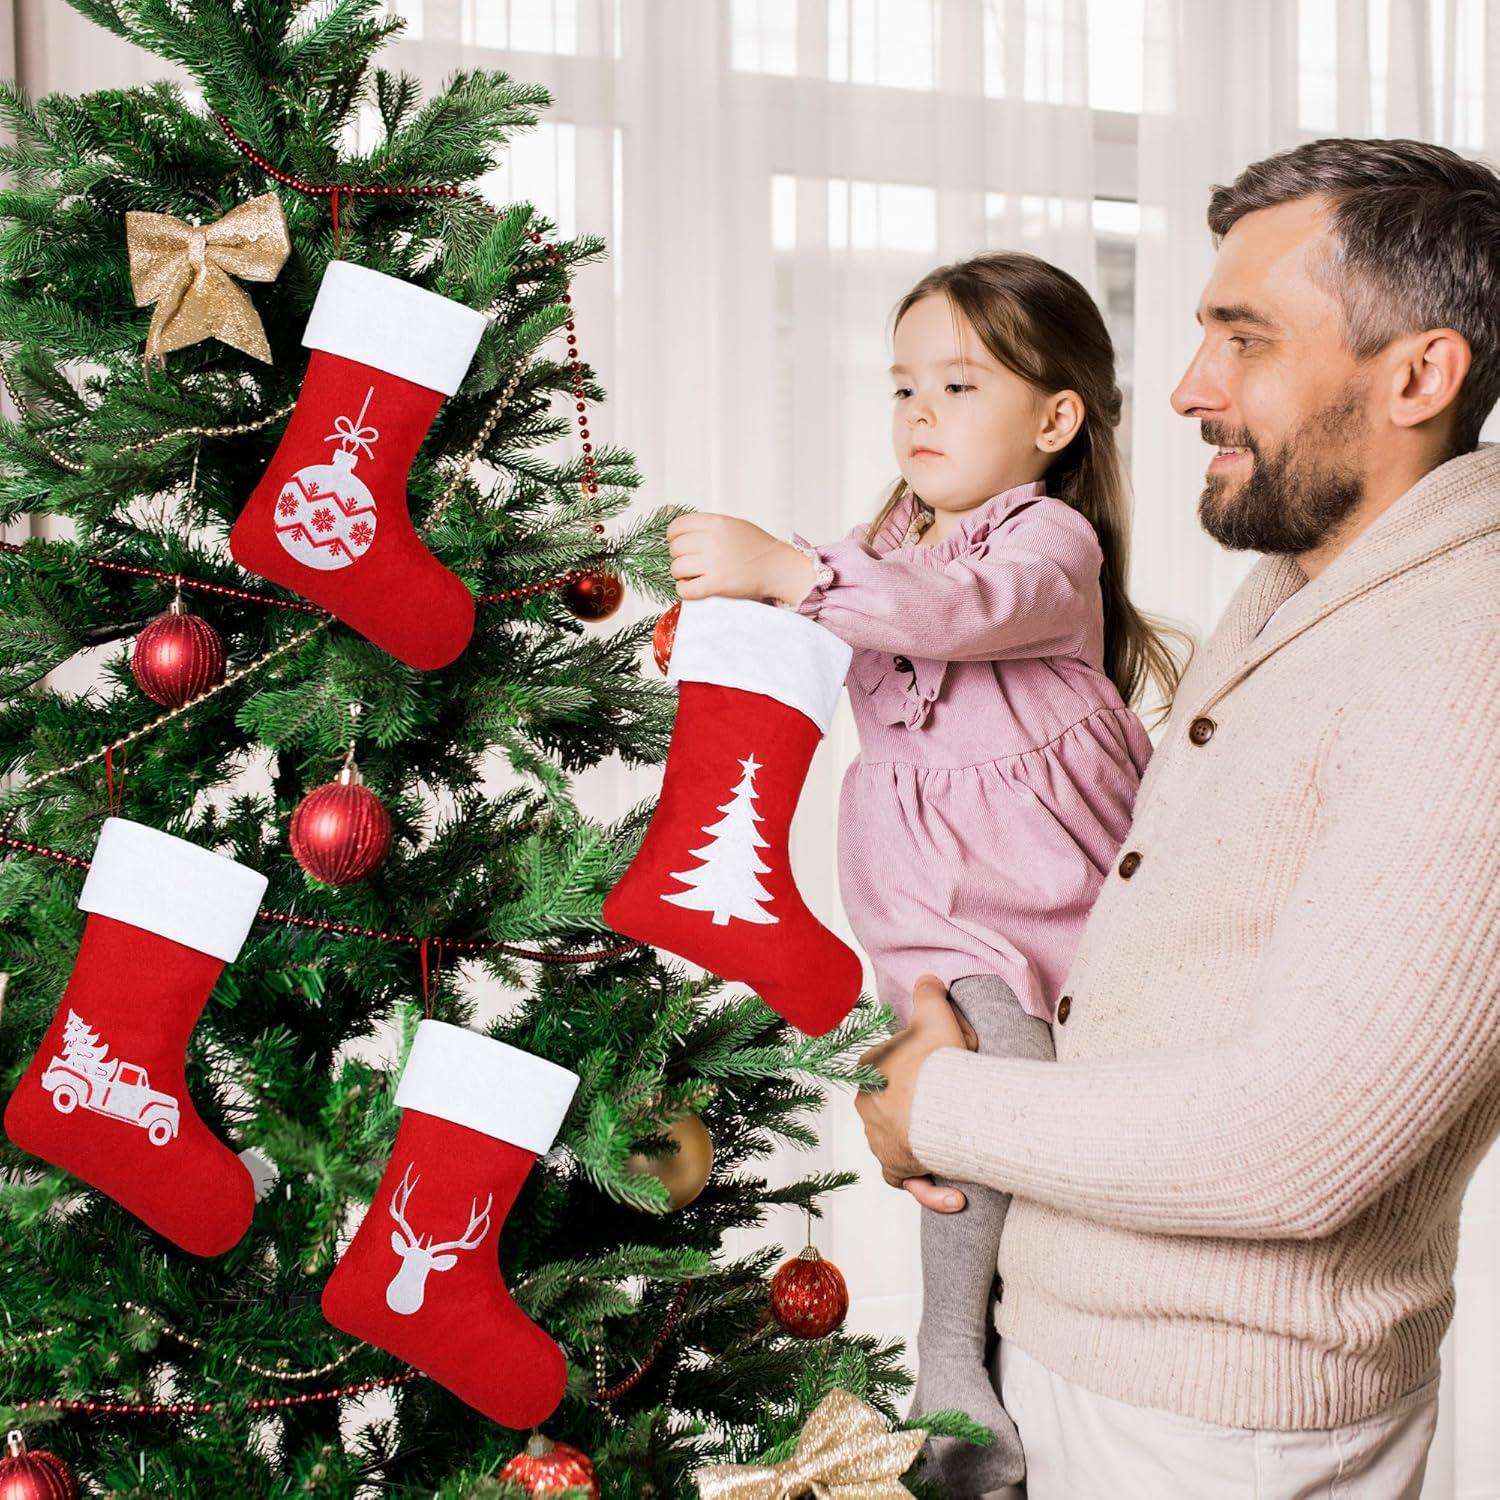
(998, 765)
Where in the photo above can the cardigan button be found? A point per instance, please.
(901, 664)
(1201, 731)
(1129, 865)
(1063, 1007)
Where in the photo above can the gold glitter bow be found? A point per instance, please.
(845, 1452)
(185, 270)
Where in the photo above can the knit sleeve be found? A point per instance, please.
(1375, 1021)
(1026, 590)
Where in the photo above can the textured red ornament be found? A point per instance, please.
(594, 596)
(809, 1296)
(342, 831)
(545, 1467)
(176, 657)
(663, 637)
(34, 1476)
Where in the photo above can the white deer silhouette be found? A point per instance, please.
(409, 1285)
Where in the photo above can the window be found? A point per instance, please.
(895, 216)
(1456, 41)
(539, 167)
(886, 42)
(514, 25)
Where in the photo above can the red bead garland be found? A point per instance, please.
(286, 180)
(590, 476)
(629, 1383)
(249, 596)
(350, 929)
(199, 585)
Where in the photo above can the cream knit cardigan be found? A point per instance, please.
(1238, 1186)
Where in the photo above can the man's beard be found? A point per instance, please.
(1295, 498)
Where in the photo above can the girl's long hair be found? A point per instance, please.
(1041, 324)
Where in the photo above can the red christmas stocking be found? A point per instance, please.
(421, 1278)
(105, 1097)
(332, 524)
(712, 882)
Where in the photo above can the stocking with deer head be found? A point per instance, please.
(476, 1114)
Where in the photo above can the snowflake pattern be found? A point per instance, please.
(321, 533)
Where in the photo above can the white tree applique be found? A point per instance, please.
(81, 1045)
(725, 883)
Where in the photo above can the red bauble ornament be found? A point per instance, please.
(545, 1467)
(340, 832)
(594, 596)
(176, 657)
(664, 636)
(809, 1296)
(34, 1476)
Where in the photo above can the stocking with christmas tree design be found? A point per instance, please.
(712, 882)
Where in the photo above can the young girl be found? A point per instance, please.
(995, 656)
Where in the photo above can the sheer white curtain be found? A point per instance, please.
(1226, 84)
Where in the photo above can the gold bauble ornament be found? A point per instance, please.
(685, 1173)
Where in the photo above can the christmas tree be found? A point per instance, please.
(156, 1372)
(725, 882)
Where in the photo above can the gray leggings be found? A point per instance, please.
(959, 1255)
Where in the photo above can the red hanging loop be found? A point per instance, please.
(114, 799)
(335, 222)
(429, 987)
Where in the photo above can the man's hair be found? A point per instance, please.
(1416, 245)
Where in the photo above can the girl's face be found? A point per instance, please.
(964, 428)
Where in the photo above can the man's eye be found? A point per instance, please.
(1242, 340)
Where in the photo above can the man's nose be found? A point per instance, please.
(1200, 392)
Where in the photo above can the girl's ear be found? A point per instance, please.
(1062, 421)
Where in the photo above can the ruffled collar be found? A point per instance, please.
(973, 526)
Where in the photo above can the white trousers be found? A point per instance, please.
(1084, 1446)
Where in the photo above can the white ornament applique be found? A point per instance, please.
(408, 1286)
(725, 882)
(84, 1074)
(324, 516)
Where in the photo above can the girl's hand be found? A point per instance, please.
(714, 554)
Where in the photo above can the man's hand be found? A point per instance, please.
(723, 555)
(887, 1112)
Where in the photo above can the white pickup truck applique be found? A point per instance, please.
(84, 1075)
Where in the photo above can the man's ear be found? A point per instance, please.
(1427, 372)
